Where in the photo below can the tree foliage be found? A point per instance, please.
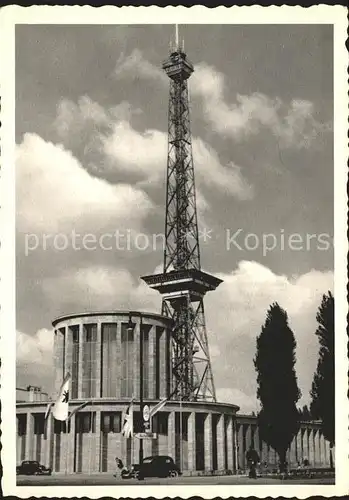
(323, 388)
(277, 387)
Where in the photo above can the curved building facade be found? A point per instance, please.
(102, 353)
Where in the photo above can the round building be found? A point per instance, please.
(102, 353)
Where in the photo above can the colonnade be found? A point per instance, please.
(200, 440)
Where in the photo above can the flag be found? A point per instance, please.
(61, 408)
(78, 409)
(127, 428)
(157, 407)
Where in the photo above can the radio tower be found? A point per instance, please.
(182, 283)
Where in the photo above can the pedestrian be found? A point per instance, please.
(119, 467)
(252, 458)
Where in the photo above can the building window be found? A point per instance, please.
(109, 356)
(145, 338)
(22, 424)
(60, 427)
(39, 423)
(162, 423)
(85, 422)
(111, 422)
(127, 357)
(75, 361)
(89, 361)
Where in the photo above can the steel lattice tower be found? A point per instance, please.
(182, 283)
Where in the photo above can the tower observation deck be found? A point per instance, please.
(182, 284)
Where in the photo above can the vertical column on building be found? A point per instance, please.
(162, 364)
(97, 440)
(70, 439)
(293, 452)
(256, 441)
(48, 440)
(220, 443)
(119, 359)
(81, 354)
(327, 452)
(241, 451)
(208, 442)
(305, 441)
(168, 362)
(248, 437)
(191, 442)
(152, 362)
(311, 447)
(322, 449)
(56, 361)
(136, 357)
(230, 443)
(299, 447)
(235, 445)
(135, 449)
(29, 437)
(97, 367)
(317, 447)
(68, 351)
(171, 435)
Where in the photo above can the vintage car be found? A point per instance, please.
(158, 466)
(131, 473)
(32, 467)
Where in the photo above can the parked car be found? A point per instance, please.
(32, 467)
(158, 466)
(131, 473)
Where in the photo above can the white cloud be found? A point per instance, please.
(137, 152)
(34, 359)
(38, 348)
(136, 66)
(75, 116)
(99, 288)
(117, 146)
(55, 193)
(210, 172)
(293, 124)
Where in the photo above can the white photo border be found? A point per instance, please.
(12, 15)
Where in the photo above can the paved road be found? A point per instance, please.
(106, 480)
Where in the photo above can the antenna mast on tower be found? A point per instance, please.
(182, 283)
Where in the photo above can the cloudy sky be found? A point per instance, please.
(91, 125)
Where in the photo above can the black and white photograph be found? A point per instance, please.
(174, 273)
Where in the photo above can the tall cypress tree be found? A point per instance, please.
(323, 388)
(277, 390)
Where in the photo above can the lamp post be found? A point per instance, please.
(130, 327)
